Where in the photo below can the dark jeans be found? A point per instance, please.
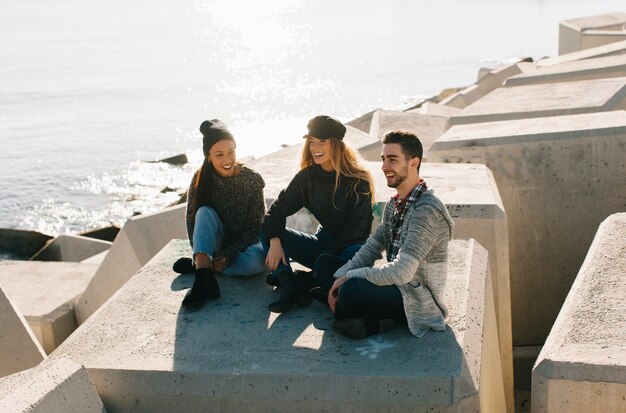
(306, 248)
(361, 298)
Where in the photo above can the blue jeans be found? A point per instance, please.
(361, 298)
(208, 235)
(306, 248)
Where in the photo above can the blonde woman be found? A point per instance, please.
(338, 191)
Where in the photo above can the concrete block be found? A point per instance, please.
(96, 259)
(544, 100)
(138, 241)
(368, 146)
(71, 248)
(436, 109)
(582, 366)
(363, 122)
(60, 386)
(20, 349)
(550, 172)
(485, 84)
(105, 233)
(427, 127)
(586, 32)
(145, 355)
(611, 49)
(599, 68)
(471, 196)
(45, 292)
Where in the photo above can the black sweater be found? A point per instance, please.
(239, 202)
(349, 217)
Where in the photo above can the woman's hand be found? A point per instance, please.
(275, 254)
(333, 293)
(219, 264)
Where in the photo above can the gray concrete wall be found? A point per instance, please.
(592, 31)
(61, 386)
(611, 49)
(137, 242)
(145, 355)
(20, 349)
(544, 100)
(598, 68)
(44, 292)
(71, 248)
(582, 366)
(551, 172)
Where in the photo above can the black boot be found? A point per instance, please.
(287, 293)
(359, 328)
(204, 288)
(184, 265)
(303, 281)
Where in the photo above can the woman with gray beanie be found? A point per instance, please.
(225, 208)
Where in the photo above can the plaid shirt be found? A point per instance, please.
(401, 206)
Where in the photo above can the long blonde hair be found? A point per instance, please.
(345, 161)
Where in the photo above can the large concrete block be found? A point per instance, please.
(145, 355)
(427, 127)
(471, 196)
(599, 68)
(21, 242)
(550, 172)
(485, 84)
(368, 146)
(592, 31)
(60, 386)
(19, 349)
(138, 241)
(45, 292)
(71, 248)
(363, 122)
(611, 49)
(582, 366)
(552, 99)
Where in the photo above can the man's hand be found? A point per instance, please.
(275, 254)
(333, 293)
(219, 264)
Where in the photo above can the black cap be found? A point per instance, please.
(325, 127)
(213, 131)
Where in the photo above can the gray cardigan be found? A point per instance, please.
(420, 268)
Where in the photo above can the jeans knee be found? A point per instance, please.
(351, 290)
(205, 213)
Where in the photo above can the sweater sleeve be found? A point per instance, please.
(425, 226)
(288, 202)
(359, 225)
(190, 218)
(250, 236)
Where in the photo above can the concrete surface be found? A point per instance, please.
(45, 292)
(427, 127)
(363, 122)
(20, 349)
(592, 31)
(471, 196)
(369, 147)
(552, 99)
(599, 68)
(486, 83)
(611, 49)
(105, 233)
(23, 243)
(145, 355)
(551, 172)
(61, 386)
(137, 242)
(71, 248)
(582, 367)
(436, 109)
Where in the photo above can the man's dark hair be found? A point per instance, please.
(410, 143)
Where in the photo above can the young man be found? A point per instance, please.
(414, 232)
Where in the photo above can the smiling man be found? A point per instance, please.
(414, 232)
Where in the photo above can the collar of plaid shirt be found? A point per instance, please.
(399, 212)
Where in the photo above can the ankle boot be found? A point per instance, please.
(303, 280)
(287, 293)
(204, 288)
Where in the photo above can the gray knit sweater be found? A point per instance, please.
(239, 202)
(420, 268)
